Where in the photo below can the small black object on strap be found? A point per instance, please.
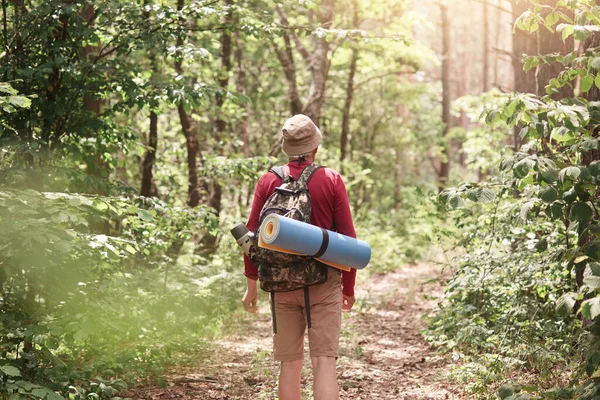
(307, 307)
(324, 244)
(273, 312)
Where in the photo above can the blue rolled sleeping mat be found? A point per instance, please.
(295, 237)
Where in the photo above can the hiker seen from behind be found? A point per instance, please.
(304, 292)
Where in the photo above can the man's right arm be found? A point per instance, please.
(342, 218)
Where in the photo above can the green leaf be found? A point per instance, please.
(25, 385)
(590, 308)
(566, 302)
(522, 168)
(54, 396)
(570, 173)
(595, 63)
(554, 211)
(456, 201)
(526, 209)
(7, 88)
(593, 282)
(566, 29)
(548, 194)
(19, 101)
(130, 249)
(586, 83)
(481, 195)
(541, 245)
(505, 391)
(549, 175)
(42, 393)
(581, 212)
(145, 215)
(594, 168)
(552, 19)
(10, 370)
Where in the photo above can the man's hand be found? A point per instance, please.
(250, 298)
(347, 302)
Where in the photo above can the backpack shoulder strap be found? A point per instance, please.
(279, 171)
(307, 173)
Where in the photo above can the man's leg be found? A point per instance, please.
(289, 380)
(325, 386)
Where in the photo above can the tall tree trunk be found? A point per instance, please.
(523, 43)
(486, 46)
(191, 140)
(241, 88)
(319, 66)
(98, 167)
(210, 242)
(551, 42)
(589, 156)
(444, 172)
(286, 59)
(317, 61)
(349, 93)
(148, 188)
(148, 185)
(498, 30)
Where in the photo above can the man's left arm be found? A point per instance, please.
(250, 298)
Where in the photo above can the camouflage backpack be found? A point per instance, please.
(281, 272)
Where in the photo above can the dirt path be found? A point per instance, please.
(382, 353)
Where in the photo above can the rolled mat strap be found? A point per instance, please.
(324, 244)
(273, 312)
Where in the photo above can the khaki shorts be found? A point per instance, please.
(325, 315)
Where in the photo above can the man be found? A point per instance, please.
(330, 208)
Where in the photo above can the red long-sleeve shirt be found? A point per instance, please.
(330, 208)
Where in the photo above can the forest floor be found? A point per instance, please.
(382, 353)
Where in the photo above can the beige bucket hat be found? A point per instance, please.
(300, 135)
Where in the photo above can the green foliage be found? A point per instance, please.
(525, 294)
(71, 293)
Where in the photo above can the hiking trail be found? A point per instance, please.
(382, 353)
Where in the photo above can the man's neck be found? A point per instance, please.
(309, 159)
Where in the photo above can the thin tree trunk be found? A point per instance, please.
(241, 88)
(148, 185)
(486, 46)
(191, 141)
(444, 171)
(317, 61)
(349, 94)
(498, 27)
(286, 59)
(98, 167)
(319, 67)
(210, 242)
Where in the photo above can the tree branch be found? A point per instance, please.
(299, 45)
(495, 6)
(397, 72)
